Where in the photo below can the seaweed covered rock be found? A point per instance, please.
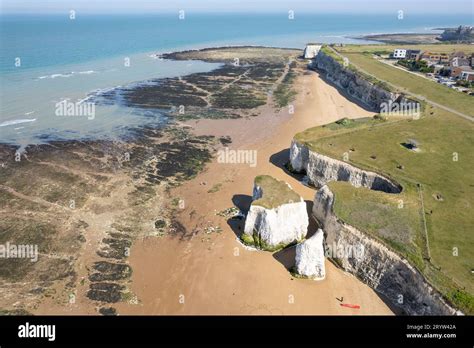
(277, 215)
(310, 257)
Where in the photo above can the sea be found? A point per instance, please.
(51, 59)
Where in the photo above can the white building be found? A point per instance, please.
(467, 75)
(399, 53)
(311, 51)
(458, 61)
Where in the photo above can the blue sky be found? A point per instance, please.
(299, 6)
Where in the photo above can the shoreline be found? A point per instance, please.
(166, 269)
(192, 261)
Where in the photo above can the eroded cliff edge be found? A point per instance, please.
(379, 267)
(372, 94)
(320, 169)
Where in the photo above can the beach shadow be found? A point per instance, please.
(313, 224)
(343, 93)
(280, 159)
(287, 256)
(242, 202)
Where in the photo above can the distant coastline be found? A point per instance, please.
(460, 34)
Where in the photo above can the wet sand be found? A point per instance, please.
(215, 274)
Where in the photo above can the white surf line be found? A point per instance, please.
(18, 121)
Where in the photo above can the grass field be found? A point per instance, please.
(275, 192)
(447, 191)
(440, 48)
(444, 95)
(439, 173)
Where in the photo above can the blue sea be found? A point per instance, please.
(46, 59)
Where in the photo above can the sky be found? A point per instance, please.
(258, 6)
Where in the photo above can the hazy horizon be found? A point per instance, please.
(242, 6)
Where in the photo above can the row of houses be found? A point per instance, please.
(457, 65)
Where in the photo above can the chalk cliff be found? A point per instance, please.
(321, 169)
(379, 267)
(271, 223)
(310, 257)
(368, 93)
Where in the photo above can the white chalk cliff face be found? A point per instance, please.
(379, 267)
(321, 169)
(273, 229)
(310, 257)
(367, 93)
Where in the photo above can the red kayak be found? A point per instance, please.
(350, 305)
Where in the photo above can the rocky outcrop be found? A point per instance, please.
(321, 169)
(273, 228)
(310, 257)
(370, 94)
(379, 267)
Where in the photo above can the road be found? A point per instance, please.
(417, 96)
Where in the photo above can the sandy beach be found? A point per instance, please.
(215, 274)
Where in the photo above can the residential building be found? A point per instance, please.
(467, 75)
(456, 72)
(435, 58)
(458, 61)
(413, 54)
(438, 68)
(399, 53)
(458, 54)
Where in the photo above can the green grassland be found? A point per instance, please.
(447, 190)
(275, 192)
(435, 48)
(362, 57)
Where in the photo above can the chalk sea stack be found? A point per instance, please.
(277, 215)
(310, 257)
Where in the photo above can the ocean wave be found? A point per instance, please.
(87, 72)
(12, 122)
(100, 91)
(72, 73)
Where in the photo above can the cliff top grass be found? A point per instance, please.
(392, 219)
(443, 165)
(362, 57)
(275, 192)
(435, 48)
(341, 126)
(339, 59)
